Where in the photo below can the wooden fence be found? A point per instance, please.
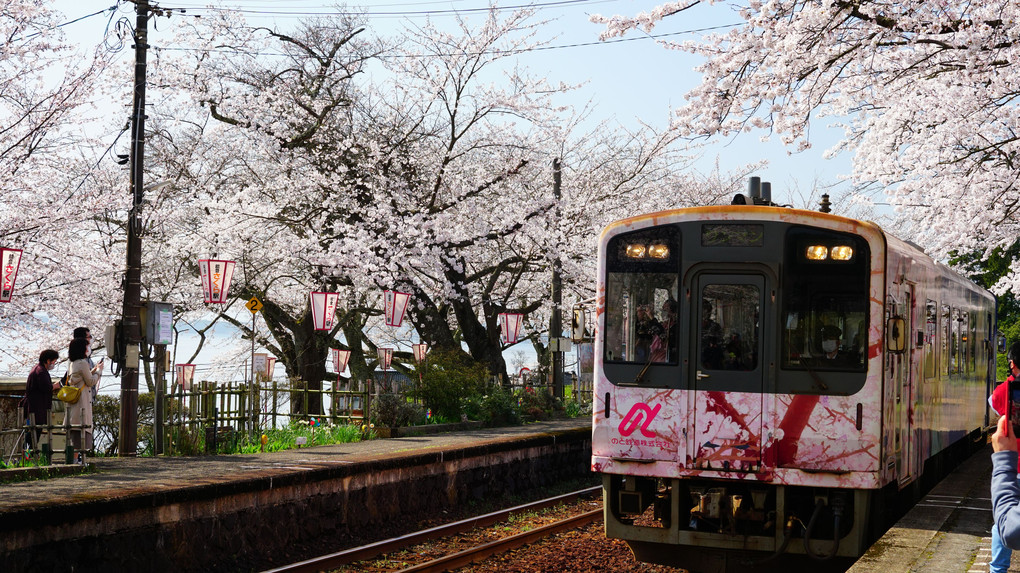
(241, 407)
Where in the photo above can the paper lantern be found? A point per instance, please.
(340, 358)
(419, 352)
(396, 304)
(185, 375)
(510, 326)
(259, 364)
(10, 260)
(385, 357)
(324, 309)
(216, 277)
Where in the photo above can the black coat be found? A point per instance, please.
(39, 394)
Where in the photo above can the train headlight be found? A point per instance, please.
(636, 251)
(817, 253)
(658, 251)
(842, 253)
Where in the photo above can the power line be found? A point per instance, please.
(61, 25)
(394, 13)
(494, 52)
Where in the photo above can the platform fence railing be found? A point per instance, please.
(237, 407)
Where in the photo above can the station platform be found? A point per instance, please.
(948, 531)
(228, 513)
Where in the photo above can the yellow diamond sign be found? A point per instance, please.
(254, 305)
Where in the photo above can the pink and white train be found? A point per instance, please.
(768, 381)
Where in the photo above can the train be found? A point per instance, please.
(769, 382)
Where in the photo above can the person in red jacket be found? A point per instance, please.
(1001, 554)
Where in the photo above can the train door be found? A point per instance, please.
(726, 349)
(898, 374)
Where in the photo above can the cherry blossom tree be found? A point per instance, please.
(925, 93)
(432, 181)
(277, 150)
(45, 90)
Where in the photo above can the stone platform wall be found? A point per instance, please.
(234, 527)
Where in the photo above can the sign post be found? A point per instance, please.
(254, 305)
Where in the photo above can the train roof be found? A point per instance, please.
(868, 229)
(759, 212)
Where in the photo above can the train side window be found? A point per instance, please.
(972, 343)
(944, 341)
(930, 325)
(954, 342)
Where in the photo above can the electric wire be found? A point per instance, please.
(393, 13)
(492, 52)
(61, 25)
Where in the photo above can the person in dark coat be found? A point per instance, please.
(39, 393)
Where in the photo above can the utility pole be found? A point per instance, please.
(131, 320)
(556, 321)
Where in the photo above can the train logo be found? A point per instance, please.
(640, 416)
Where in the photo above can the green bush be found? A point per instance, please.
(448, 378)
(393, 410)
(472, 406)
(106, 424)
(575, 408)
(185, 442)
(535, 404)
(500, 407)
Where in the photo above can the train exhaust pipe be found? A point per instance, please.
(758, 193)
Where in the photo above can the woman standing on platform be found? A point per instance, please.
(84, 378)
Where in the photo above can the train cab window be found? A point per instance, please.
(824, 311)
(642, 284)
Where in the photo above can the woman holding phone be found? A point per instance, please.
(81, 376)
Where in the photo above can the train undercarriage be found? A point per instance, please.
(709, 526)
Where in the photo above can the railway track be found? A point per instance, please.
(462, 558)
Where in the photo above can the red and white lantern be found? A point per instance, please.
(396, 304)
(10, 260)
(340, 358)
(216, 277)
(385, 357)
(510, 326)
(185, 375)
(324, 309)
(419, 352)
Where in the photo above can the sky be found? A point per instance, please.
(631, 81)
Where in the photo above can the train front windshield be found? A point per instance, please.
(714, 304)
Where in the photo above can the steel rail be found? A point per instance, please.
(476, 554)
(334, 560)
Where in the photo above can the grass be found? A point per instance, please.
(287, 438)
(277, 439)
